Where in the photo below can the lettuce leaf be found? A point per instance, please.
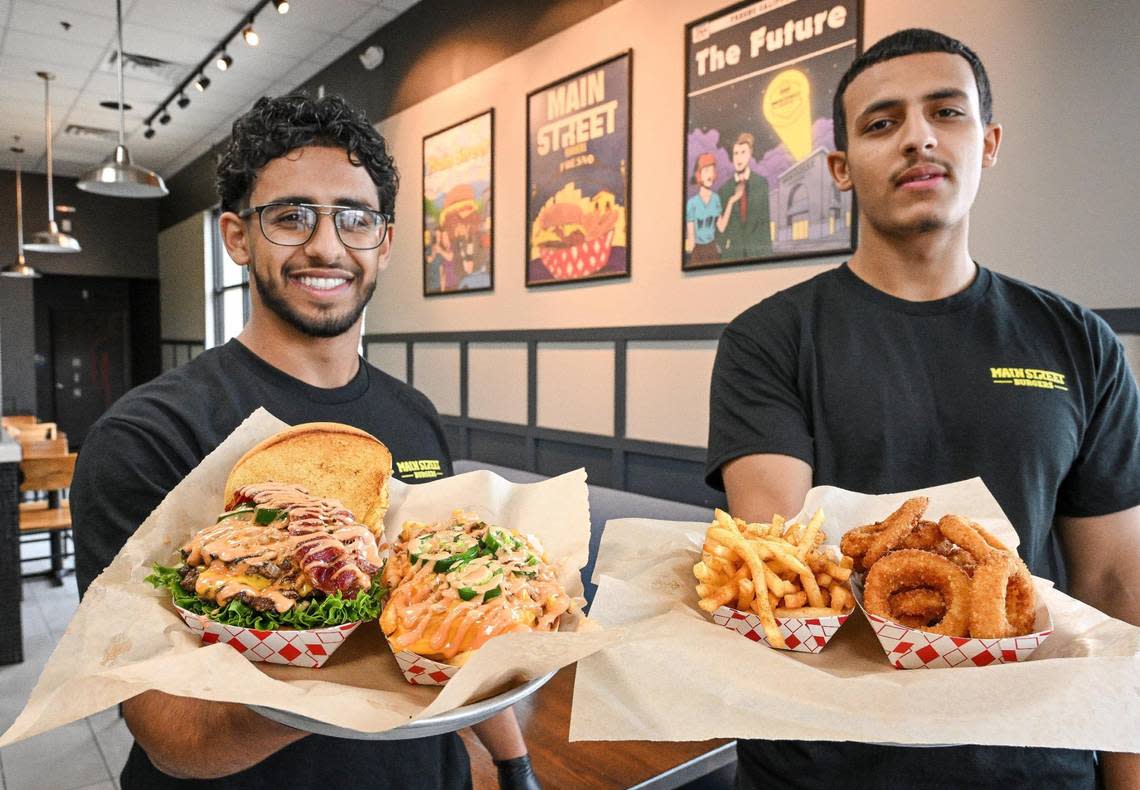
(331, 610)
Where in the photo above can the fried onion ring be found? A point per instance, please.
(971, 538)
(907, 569)
(897, 526)
(1004, 601)
(923, 602)
(854, 543)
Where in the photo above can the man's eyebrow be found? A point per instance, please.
(938, 95)
(347, 202)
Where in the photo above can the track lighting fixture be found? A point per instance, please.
(224, 61)
(250, 35)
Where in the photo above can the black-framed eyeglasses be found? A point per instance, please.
(293, 224)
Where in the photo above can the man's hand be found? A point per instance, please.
(197, 739)
(1103, 553)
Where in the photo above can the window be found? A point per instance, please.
(230, 288)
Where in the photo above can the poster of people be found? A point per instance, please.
(457, 207)
(578, 176)
(760, 78)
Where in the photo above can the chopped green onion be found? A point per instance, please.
(235, 512)
(494, 592)
(267, 515)
(466, 593)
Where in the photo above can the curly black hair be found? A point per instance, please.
(275, 126)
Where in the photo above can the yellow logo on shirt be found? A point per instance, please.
(423, 469)
(1029, 377)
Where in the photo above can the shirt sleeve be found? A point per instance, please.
(123, 472)
(755, 405)
(1105, 477)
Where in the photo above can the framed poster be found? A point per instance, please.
(458, 229)
(577, 174)
(759, 81)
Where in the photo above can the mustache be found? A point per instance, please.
(926, 160)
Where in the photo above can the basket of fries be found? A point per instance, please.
(944, 593)
(774, 583)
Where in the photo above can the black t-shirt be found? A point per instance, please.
(157, 433)
(1003, 381)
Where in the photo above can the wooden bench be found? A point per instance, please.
(52, 517)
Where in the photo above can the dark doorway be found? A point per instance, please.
(96, 337)
(91, 366)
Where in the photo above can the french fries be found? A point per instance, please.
(774, 570)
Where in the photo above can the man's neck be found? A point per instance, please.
(918, 268)
(326, 362)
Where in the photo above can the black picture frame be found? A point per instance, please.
(770, 98)
(587, 236)
(457, 209)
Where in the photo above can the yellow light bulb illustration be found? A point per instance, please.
(787, 106)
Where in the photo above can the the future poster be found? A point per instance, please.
(760, 78)
(578, 172)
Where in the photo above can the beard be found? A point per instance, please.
(326, 323)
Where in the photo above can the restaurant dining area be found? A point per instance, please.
(825, 334)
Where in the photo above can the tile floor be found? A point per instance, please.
(88, 754)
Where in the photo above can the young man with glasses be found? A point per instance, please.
(308, 192)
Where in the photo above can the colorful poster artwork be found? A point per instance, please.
(760, 78)
(578, 172)
(457, 207)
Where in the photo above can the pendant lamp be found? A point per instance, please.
(52, 239)
(20, 268)
(116, 176)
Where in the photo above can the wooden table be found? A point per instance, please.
(545, 721)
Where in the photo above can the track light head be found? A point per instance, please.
(149, 133)
(202, 83)
(250, 35)
(164, 119)
(224, 61)
(183, 101)
(282, 6)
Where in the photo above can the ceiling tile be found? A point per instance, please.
(44, 20)
(331, 51)
(210, 19)
(48, 52)
(315, 15)
(185, 48)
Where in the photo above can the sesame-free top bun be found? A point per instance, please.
(330, 460)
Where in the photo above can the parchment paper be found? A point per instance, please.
(678, 676)
(126, 638)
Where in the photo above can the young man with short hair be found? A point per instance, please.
(889, 373)
(308, 191)
(744, 232)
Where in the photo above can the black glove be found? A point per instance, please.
(517, 774)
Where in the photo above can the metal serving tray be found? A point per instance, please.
(452, 720)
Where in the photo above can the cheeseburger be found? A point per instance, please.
(298, 545)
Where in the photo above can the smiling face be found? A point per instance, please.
(319, 288)
(916, 144)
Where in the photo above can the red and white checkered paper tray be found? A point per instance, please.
(304, 648)
(909, 648)
(420, 671)
(801, 634)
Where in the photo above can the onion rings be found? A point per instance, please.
(1004, 600)
(908, 569)
(896, 527)
(917, 608)
(968, 536)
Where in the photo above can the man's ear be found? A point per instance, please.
(840, 173)
(385, 250)
(991, 141)
(234, 234)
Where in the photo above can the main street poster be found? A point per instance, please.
(760, 78)
(578, 171)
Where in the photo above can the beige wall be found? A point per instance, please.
(1059, 209)
(182, 275)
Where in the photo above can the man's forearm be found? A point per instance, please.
(198, 739)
